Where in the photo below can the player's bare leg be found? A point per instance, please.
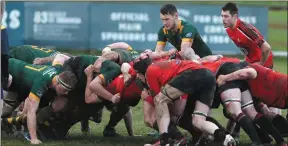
(259, 119)
(232, 102)
(161, 101)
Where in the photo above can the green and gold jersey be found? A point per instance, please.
(37, 78)
(186, 33)
(125, 55)
(109, 69)
(28, 53)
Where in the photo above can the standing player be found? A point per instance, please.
(181, 34)
(247, 38)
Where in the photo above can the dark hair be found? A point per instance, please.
(68, 79)
(168, 9)
(231, 7)
(142, 65)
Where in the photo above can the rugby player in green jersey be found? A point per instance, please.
(181, 34)
(33, 54)
(35, 82)
(119, 52)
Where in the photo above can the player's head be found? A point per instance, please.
(141, 64)
(169, 16)
(229, 14)
(66, 81)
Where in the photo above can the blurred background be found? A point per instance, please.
(90, 26)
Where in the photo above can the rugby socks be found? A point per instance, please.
(247, 125)
(14, 120)
(185, 122)
(281, 124)
(174, 131)
(211, 119)
(85, 125)
(267, 126)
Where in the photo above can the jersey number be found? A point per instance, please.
(42, 49)
(35, 68)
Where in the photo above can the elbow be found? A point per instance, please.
(252, 73)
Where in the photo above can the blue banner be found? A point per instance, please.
(93, 25)
(13, 20)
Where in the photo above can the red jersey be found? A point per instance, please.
(249, 40)
(159, 73)
(269, 86)
(214, 66)
(129, 93)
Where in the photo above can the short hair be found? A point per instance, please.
(168, 9)
(68, 79)
(231, 7)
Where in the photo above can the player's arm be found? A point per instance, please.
(37, 91)
(187, 41)
(254, 35)
(90, 97)
(210, 58)
(59, 59)
(242, 74)
(161, 42)
(109, 71)
(120, 45)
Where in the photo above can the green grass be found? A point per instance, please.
(277, 30)
(140, 129)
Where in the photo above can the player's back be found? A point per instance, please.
(166, 70)
(128, 93)
(77, 65)
(27, 74)
(125, 55)
(28, 53)
(214, 66)
(269, 85)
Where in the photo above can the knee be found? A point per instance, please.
(160, 99)
(198, 121)
(233, 110)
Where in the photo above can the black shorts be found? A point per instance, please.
(200, 81)
(227, 68)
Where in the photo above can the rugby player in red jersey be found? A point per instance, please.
(246, 37)
(174, 77)
(265, 84)
(230, 96)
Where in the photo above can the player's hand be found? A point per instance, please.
(221, 80)
(89, 70)
(35, 141)
(144, 94)
(116, 98)
(38, 61)
(172, 51)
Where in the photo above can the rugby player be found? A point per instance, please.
(230, 95)
(181, 34)
(36, 82)
(249, 40)
(176, 83)
(33, 54)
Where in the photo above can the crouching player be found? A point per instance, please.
(175, 78)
